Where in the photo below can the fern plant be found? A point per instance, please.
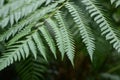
(117, 2)
(35, 70)
(33, 27)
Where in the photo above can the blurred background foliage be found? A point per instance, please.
(105, 65)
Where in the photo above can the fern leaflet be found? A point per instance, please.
(85, 32)
(67, 37)
(21, 50)
(21, 12)
(21, 34)
(104, 25)
(37, 15)
(4, 10)
(32, 69)
(58, 36)
(39, 44)
(49, 39)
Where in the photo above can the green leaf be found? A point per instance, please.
(23, 11)
(49, 39)
(105, 26)
(85, 31)
(39, 44)
(67, 37)
(58, 36)
(21, 34)
(32, 69)
(32, 47)
(18, 51)
(36, 16)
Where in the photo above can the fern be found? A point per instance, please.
(49, 39)
(21, 12)
(32, 47)
(37, 15)
(22, 47)
(103, 23)
(32, 69)
(67, 37)
(21, 50)
(4, 11)
(21, 34)
(58, 36)
(40, 44)
(117, 2)
(26, 29)
(85, 31)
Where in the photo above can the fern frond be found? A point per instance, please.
(17, 52)
(39, 44)
(21, 12)
(21, 34)
(85, 31)
(36, 16)
(33, 17)
(32, 69)
(67, 37)
(103, 23)
(48, 39)
(58, 36)
(4, 10)
(32, 47)
(117, 2)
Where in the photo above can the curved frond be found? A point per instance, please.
(85, 31)
(4, 10)
(48, 39)
(18, 51)
(39, 44)
(36, 16)
(32, 69)
(58, 36)
(67, 37)
(21, 34)
(103, 23)
(32, 47)
(21, 12)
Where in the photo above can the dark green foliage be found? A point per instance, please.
(32, 69)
